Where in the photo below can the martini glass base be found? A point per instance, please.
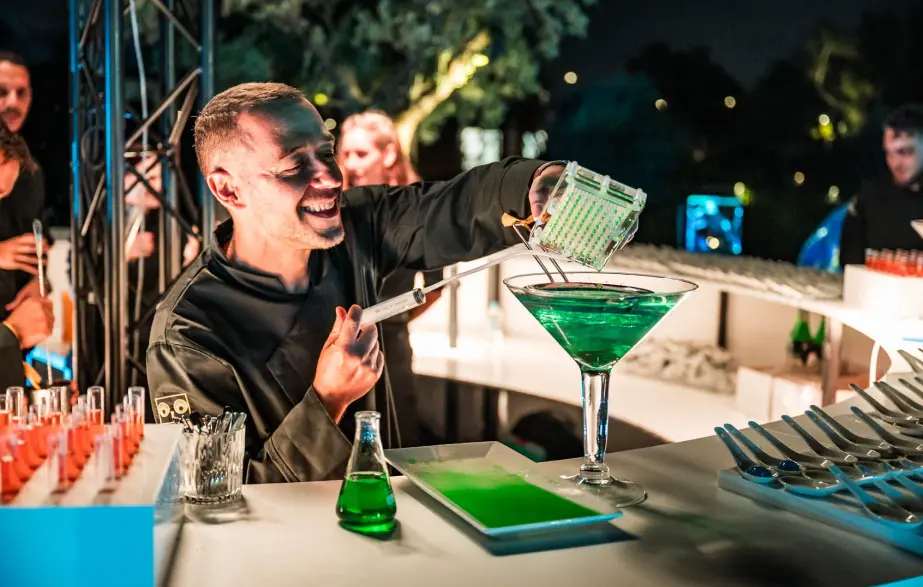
(617, 492)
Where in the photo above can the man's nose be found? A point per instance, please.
(325, 176)
(11, 100)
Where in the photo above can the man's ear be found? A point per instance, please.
(223, 186)
(389, 157)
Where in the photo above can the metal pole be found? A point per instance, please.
(76, 196)
(116, 277)
(169, 237)
(207, 8)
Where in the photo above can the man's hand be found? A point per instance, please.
(142, 246)
(541, 187)
(349, 364)
(19, 254)
(31, 290)
(544, 183)
(32, 321)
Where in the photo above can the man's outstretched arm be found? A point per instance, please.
(430, 225)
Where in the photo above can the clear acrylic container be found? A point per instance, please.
(213, 466)
(589, 216)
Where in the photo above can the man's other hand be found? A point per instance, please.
(32, 321)
(349, 364)
(19, 254)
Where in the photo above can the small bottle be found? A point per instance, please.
(366, 502)
(799, 339)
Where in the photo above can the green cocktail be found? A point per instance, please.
(597, 324)
(598, 318)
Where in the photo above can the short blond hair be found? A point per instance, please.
(216, 125)
(381, 127)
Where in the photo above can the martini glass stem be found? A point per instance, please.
(595, 426)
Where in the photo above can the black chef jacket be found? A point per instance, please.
(879, 218)
(230, 336)
(17, 211)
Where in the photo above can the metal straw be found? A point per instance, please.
(516, 227)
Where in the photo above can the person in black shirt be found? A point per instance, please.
(258, 323)
(25, 203)
(370, 153)
(880, 214)
(30, 320)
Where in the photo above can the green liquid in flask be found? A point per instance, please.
(366, 503)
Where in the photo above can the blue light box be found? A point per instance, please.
(713, 224)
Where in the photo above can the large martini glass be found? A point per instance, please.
(598, 318)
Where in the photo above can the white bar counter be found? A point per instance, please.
(688, 532)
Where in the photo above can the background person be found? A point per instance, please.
(370, 154)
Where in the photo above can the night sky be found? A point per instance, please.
(744, 36)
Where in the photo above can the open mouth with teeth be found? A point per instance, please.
(327, 209)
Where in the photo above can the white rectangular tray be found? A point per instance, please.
(476, 465)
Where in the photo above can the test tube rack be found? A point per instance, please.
(123, 537)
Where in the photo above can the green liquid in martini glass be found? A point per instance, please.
(597, 324)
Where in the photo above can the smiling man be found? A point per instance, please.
(266, 320)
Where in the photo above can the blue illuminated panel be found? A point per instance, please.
(713, 224)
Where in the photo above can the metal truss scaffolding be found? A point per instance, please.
(108, 133)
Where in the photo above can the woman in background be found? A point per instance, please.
(370, 154)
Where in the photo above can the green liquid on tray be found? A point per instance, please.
(497, 498)
(596, 324)
(366, 503)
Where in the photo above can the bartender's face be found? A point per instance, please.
(9, 172)
(904, 153)
(291, 182)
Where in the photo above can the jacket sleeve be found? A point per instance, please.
(307, 445)
(853, 237)
(11, 369)
(431, 225)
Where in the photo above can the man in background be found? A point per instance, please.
(31, 320)
(880, 214)
(25, 202)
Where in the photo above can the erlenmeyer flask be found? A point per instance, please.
(366, 502)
